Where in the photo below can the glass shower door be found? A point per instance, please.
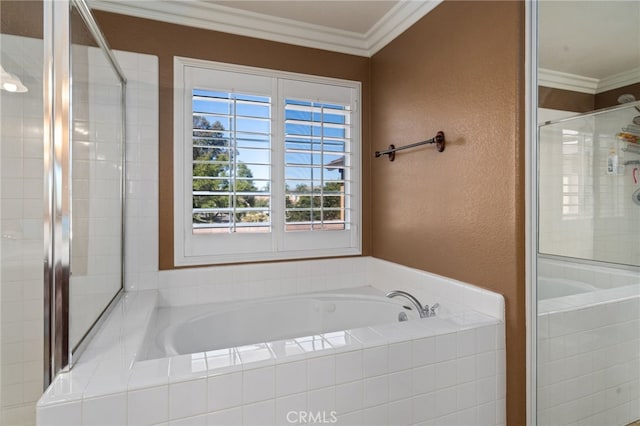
(84, 161)
(97, 143)
(588, 287)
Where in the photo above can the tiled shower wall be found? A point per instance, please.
(589, 364)
(21, 276)
(97, 145)
(584, 211)
(21, 213)
(141, 224)
(589, 346)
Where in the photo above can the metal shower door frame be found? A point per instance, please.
(57, 84)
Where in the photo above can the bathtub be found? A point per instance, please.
(200, 354)
(550, 288)
(201, 328)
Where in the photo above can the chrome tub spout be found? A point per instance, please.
(423, 311)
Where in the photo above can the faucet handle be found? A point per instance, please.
(432, 311)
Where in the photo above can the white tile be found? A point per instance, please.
(223, 361)
(367, 336)
(400, 356)
(255, 356)
(486, 415)
(291, 377)
(375, 361)
(446, 401)
(190, 421)
(424, 351)
(148, 406)
(486, 364)
(466, 369)
(288, 407)
(423, 379)
(376, 391)
(60, 414)
(401, 413)
(487, 338)
(446, 373)
(376, 416)
(315, 345)
(466, 342)
(107, 410)
(446, 347)
(224, 391)
(230, 417)
(105, 384)
(342, 341)
(485, 389)
(286, 350)
(187, 399)
(320, 372)
(466, 396)
(188, 367)
(349, 419)
(400, 385)
(349, 397)
(423, 407)
(323, 400)
(259, 414)
(467, 417)
(258, 384)
(348, 366)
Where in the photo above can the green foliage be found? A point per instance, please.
(213, 159)
(313, 202)
(209, 141)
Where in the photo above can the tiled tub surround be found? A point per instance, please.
(21, 230)
(444, 370)
(21, 289)
(589, 347)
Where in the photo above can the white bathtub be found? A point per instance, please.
(372, 370)
(550, 288)
(201, 328)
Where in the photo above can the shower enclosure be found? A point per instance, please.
(62, 117)
(84, 167)
(585, 213)
(588, 285)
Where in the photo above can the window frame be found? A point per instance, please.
(211, 249)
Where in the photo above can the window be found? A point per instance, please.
(231, 147)
(266, 164)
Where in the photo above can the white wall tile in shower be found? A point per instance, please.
(21, 210)
(141, 234)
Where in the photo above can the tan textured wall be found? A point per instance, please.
(169, 40)
(459, 213)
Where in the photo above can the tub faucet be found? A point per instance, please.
(424, 311)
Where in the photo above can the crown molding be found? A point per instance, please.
(566, 81)
(210, 16)
(622, 79)
(400, 18)
(592, 86)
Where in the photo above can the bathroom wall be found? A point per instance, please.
(459, 213)
(584, 211)
(21, 275)
(169, 40)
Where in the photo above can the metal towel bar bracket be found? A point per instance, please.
(438, 139)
